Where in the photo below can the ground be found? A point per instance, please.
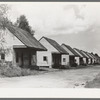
(95, 83)
(69, 78)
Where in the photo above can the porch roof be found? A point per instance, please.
(26, 38)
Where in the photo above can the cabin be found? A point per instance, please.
(22, 47)
(88, 58)
(73, 56)
(96, 59)
(82, 57)
(54, 57)
(91, 58)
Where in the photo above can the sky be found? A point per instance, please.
(75, 24)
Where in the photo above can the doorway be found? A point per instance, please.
(56, 59)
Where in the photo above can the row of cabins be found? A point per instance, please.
(26, 51)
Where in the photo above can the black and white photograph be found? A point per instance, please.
(49, 45)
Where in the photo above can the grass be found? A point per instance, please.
(95, 83)
(7, 70)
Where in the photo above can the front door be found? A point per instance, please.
(33, 60)
(72, 60)
(81, 61)
(25, 60)
(56, 59)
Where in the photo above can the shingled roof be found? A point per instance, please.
(93, 55)
(85, 54)
(89, 55)
(56, 45)
(71, 50)
(80, 52)
(26, 38)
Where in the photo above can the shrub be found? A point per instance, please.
(34, 67)
(11, 71)
(25, 72)
(65, 67)
(7, 69)
(14, 71)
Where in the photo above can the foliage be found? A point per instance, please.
(23, 23)
(25, 72)
(8, 70)
(4, 8)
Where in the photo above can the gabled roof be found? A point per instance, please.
(85, 54)
(26, 38)
(93, 55)
(55, 45)
(80, 52)
(89, 55)
(71, 50)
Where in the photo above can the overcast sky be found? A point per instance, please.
(77, 25)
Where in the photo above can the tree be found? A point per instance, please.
(3, 20)
(23, 23)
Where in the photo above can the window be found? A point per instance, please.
(45, 58)
(64, 59)
(3, 56)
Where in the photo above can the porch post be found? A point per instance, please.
(14, 58)
(50, 62)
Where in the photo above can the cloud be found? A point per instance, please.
(57, 18)
(77, 10)
(75, 24)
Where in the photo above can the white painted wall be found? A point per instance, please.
(70, 53)
(66, 59)
(40, 55)
(92, 60)
(77, 60)
(84, 59)
(89, 61)
(10, 40)
(48, 53)
(49, 47)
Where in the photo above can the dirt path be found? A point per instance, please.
(73, 78)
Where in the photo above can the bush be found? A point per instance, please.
(65, 67)
(25, 72)
(11, 71)
(14, 71)
(34, 67)
(7, 69)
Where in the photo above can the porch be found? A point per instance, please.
(24, 57)
(72, 61)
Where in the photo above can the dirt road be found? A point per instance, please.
(71, 78)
